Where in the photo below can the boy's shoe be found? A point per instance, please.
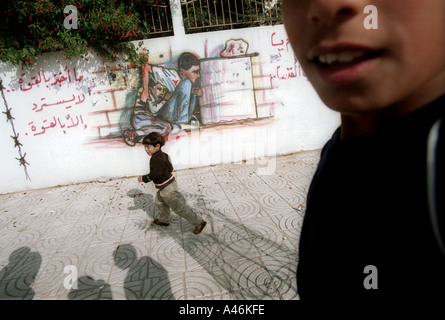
(199, 227)
(159, 223)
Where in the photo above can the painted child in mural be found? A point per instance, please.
(168, 99)
(157, 85)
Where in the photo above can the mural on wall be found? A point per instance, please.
(184, 92)
(116, 104)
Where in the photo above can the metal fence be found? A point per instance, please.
(207, 15)
(156, 18)
(212, 15)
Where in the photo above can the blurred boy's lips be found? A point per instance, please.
(343, 62)
(338, 48)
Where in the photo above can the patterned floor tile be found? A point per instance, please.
(52, 274)
(103, 233)
(12, 240)
(200, 251)
(239, 250)
(246, 273)
(169, 254)
(228, 231)
(203, 285)
(98, 260)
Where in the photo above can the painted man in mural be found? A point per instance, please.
(182, 106)
(167, 99)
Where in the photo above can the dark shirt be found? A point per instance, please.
(367, 206)
(160, 168)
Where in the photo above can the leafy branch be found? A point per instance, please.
(105, 28)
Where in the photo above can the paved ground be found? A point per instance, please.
(100, 237)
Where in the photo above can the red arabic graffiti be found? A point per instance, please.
(67, 122)
(80, 99)
(65, 76)
(280, 43)
(51, 110)
(287, 66)
(289, 72)
(64, 122)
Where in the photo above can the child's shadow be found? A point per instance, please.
(142, 201)
(145, 201)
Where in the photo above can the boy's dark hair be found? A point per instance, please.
(186, 60)
(154, 138)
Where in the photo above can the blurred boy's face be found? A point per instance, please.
(355, 70)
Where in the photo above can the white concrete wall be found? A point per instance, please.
(57, 120)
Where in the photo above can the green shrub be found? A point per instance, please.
(32, 27)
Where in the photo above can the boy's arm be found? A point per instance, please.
(154, 170)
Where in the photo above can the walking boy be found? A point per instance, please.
(167, 195)
(369, 231)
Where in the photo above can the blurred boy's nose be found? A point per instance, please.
(332, 11)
